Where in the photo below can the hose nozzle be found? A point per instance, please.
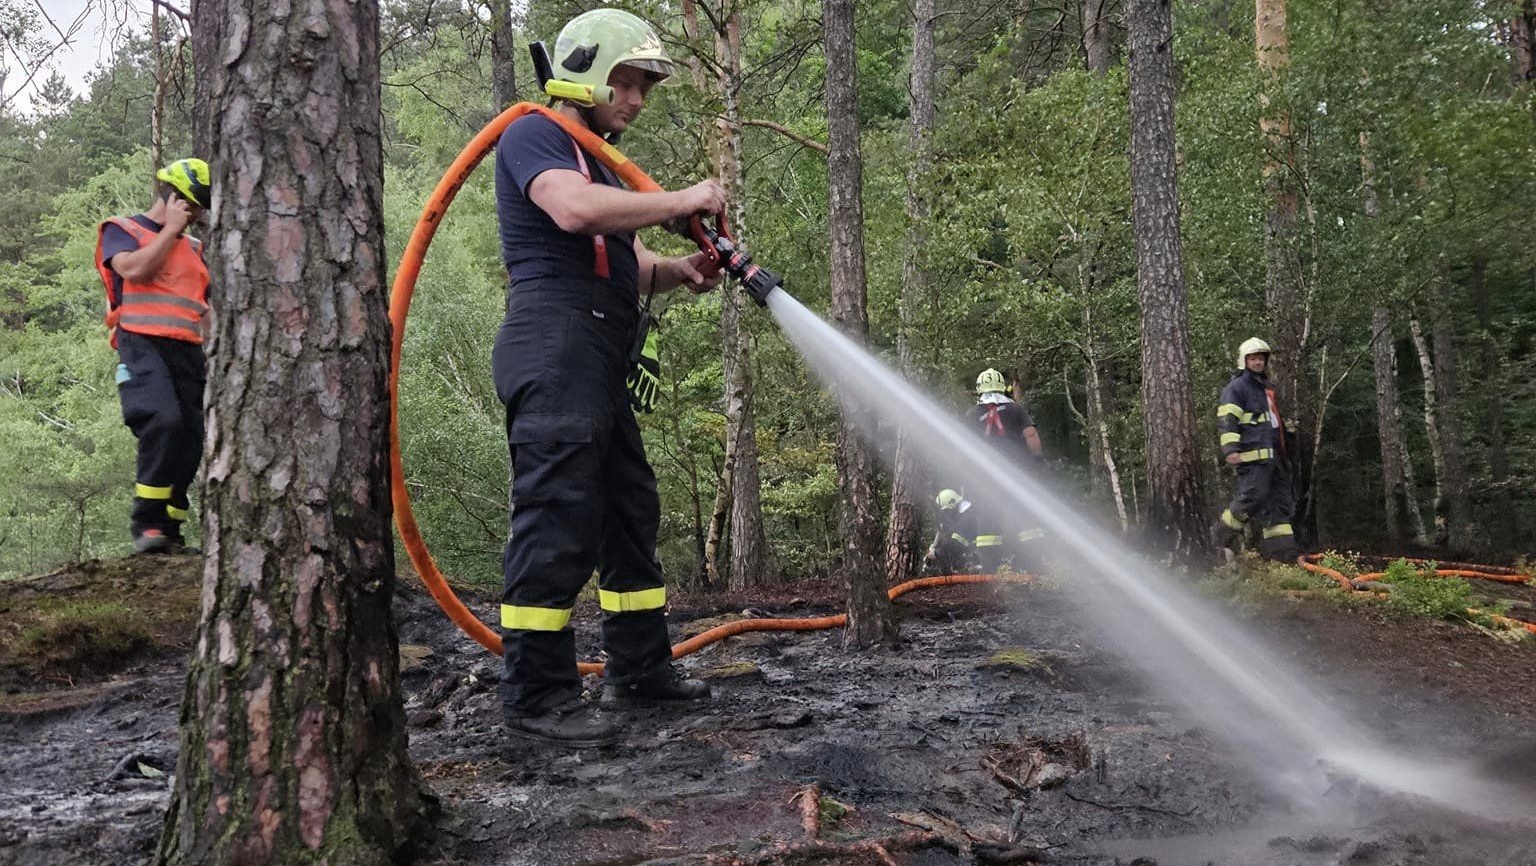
(757, 281)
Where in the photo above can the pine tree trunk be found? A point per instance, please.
(503, 56)
(1522, 44)
(1096, 50)
(1175, 511)
(293, 737)
(1504, 527)
(870, 619)
(901, 536)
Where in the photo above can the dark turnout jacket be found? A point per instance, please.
(1248, 419)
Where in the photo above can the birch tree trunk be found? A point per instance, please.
(1443, 432)
(870, 619)
(737, 517)
(1176, 505)
(293, 737)
(901, 537)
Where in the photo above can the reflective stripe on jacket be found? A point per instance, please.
(1244, 420)
(170, 305)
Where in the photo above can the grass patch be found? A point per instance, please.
(78, 636)
(96, 618)
(1013, 658)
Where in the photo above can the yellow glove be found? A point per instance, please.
(644, 380)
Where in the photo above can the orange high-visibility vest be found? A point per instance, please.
(170, 305)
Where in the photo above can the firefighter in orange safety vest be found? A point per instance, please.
(157, 302)
(1253, 443)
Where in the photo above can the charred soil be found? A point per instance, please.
(999, 732)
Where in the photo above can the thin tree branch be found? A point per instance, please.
(805, 140)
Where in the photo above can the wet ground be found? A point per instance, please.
(999, 733)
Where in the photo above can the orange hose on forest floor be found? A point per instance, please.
(1472, 570)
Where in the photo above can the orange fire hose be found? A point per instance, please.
(1472, 570)
(399, 307)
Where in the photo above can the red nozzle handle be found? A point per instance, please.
(705, 238)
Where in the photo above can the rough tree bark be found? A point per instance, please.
(1389, 432)
(907, 479)
(1504, 522)
(870, 619)
(1176, 505)
(1522, 44)
(1096, 49)
(503, 56)
(293, 737)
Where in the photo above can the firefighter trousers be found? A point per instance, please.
(160, 382)
(1264, 493)
(583, 494)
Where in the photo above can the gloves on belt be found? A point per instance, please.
(644, 380)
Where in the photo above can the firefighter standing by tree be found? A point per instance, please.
(583, 494)
(157, 298)
(1253, 442)
(1006, 423)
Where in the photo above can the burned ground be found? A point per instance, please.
(999, 732)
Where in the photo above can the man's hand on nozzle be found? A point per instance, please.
(696, 271)
(705, 198)
(1234, 458)
(178, 214)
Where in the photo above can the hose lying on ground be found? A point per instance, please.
(1369, 583)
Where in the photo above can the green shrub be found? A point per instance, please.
(1418, 592)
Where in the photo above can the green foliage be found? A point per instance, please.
(1345, 563)
(1029, 245)
(1417, 591)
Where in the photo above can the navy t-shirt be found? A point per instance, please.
(532, 245)
(115, 240)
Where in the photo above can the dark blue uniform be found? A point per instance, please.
(1250, 426)
(583, 495)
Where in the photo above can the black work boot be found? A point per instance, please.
(665, 687)
(571, 723)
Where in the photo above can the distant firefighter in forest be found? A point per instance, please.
(1253, 443)
(157, 301)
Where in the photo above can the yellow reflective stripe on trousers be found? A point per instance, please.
(535, 618)
(1256, 454)
(960, 538)
(1278, 530)
(1031, 534)
(1231, 520)
(625, 602)
(176, 513)
(1231, 438)
(145, 491)
(988, 540)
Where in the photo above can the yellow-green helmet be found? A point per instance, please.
(1251, 346)
(191, 178)
(948, 499)
(592, 43)
(991, 382)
